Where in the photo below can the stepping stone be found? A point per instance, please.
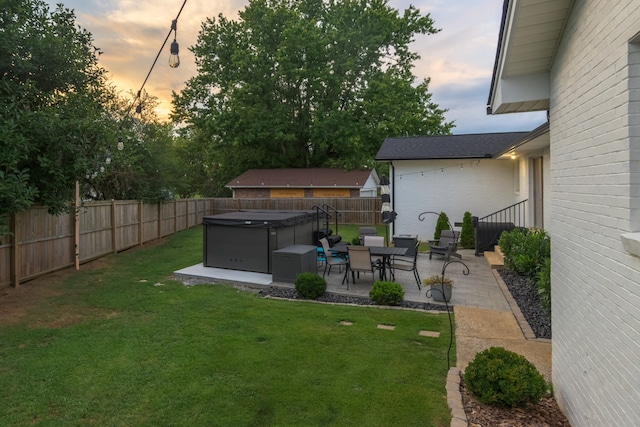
(430, 334)
(387, 327)
(344, 322)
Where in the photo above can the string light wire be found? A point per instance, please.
(440, 169)
(139, 93)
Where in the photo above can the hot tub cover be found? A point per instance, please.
(260, 219)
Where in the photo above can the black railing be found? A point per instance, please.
(336, 215)
(326, 232)
(324, 214)
(489, 228)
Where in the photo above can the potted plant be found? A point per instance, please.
(439, 288)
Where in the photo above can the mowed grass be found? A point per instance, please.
(120, 344)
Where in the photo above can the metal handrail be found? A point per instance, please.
(327, 217)
(505, 214)
(337, 215)
(497, 222)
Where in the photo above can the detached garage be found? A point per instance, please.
(304, 183)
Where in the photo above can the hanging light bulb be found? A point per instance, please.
(120, 143)
(174, 59)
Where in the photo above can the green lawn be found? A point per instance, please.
(119, 344)
(348, 232)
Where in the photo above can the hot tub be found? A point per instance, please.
(244, 240)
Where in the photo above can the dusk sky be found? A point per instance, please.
(459, 59)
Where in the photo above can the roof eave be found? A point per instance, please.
(520, 80)
(531, 136)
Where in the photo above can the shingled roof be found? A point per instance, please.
(297, 178)
(468, 146)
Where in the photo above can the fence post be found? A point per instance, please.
(175, 216)
(15, 252)
(140, 223)
(187, 211)
(114, 226)
(76, 228)
(159, 220)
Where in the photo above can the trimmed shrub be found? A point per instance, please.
(355, 241)
(441, 224)
(310, 285)
(467, 233)
(386, 293)
(500, 377)
(544, 284)
(525, 250)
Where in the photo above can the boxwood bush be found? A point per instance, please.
(310, 285)
(386, 293)
(500, 377)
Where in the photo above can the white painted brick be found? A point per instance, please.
(443, 186)
(595, 284)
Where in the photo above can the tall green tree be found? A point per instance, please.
(305, 83)
(51, 95)
(60, 119)
(147, 167)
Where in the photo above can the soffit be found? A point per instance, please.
(533, 36)
(530, 34)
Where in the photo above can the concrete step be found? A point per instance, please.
(495, 259)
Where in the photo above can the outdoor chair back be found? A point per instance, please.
(370, 240)
(447, 245)
(330, 258)
(359, 262)
(366, 231)
(406, 264)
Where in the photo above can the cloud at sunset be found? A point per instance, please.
(458, 60)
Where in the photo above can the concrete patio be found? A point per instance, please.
(478, 289)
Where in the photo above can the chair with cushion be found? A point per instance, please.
(371, 241)
(406, 264)
(329, 258)
(446, 245)
(359, 261)
(366, 231)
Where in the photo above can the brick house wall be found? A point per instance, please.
(595, 137)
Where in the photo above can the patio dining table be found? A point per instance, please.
(385, 252)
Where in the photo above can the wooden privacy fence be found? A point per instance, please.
(41, 243)
(358, 210)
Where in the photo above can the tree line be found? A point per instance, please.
(289, 83)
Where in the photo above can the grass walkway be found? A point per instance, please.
(120, 344)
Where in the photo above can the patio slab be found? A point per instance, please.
(477, 289)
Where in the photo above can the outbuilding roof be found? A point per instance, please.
(467, 146)
(301, 178)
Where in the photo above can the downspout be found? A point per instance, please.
(392, 172)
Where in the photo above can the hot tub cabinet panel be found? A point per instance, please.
(244, 240)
